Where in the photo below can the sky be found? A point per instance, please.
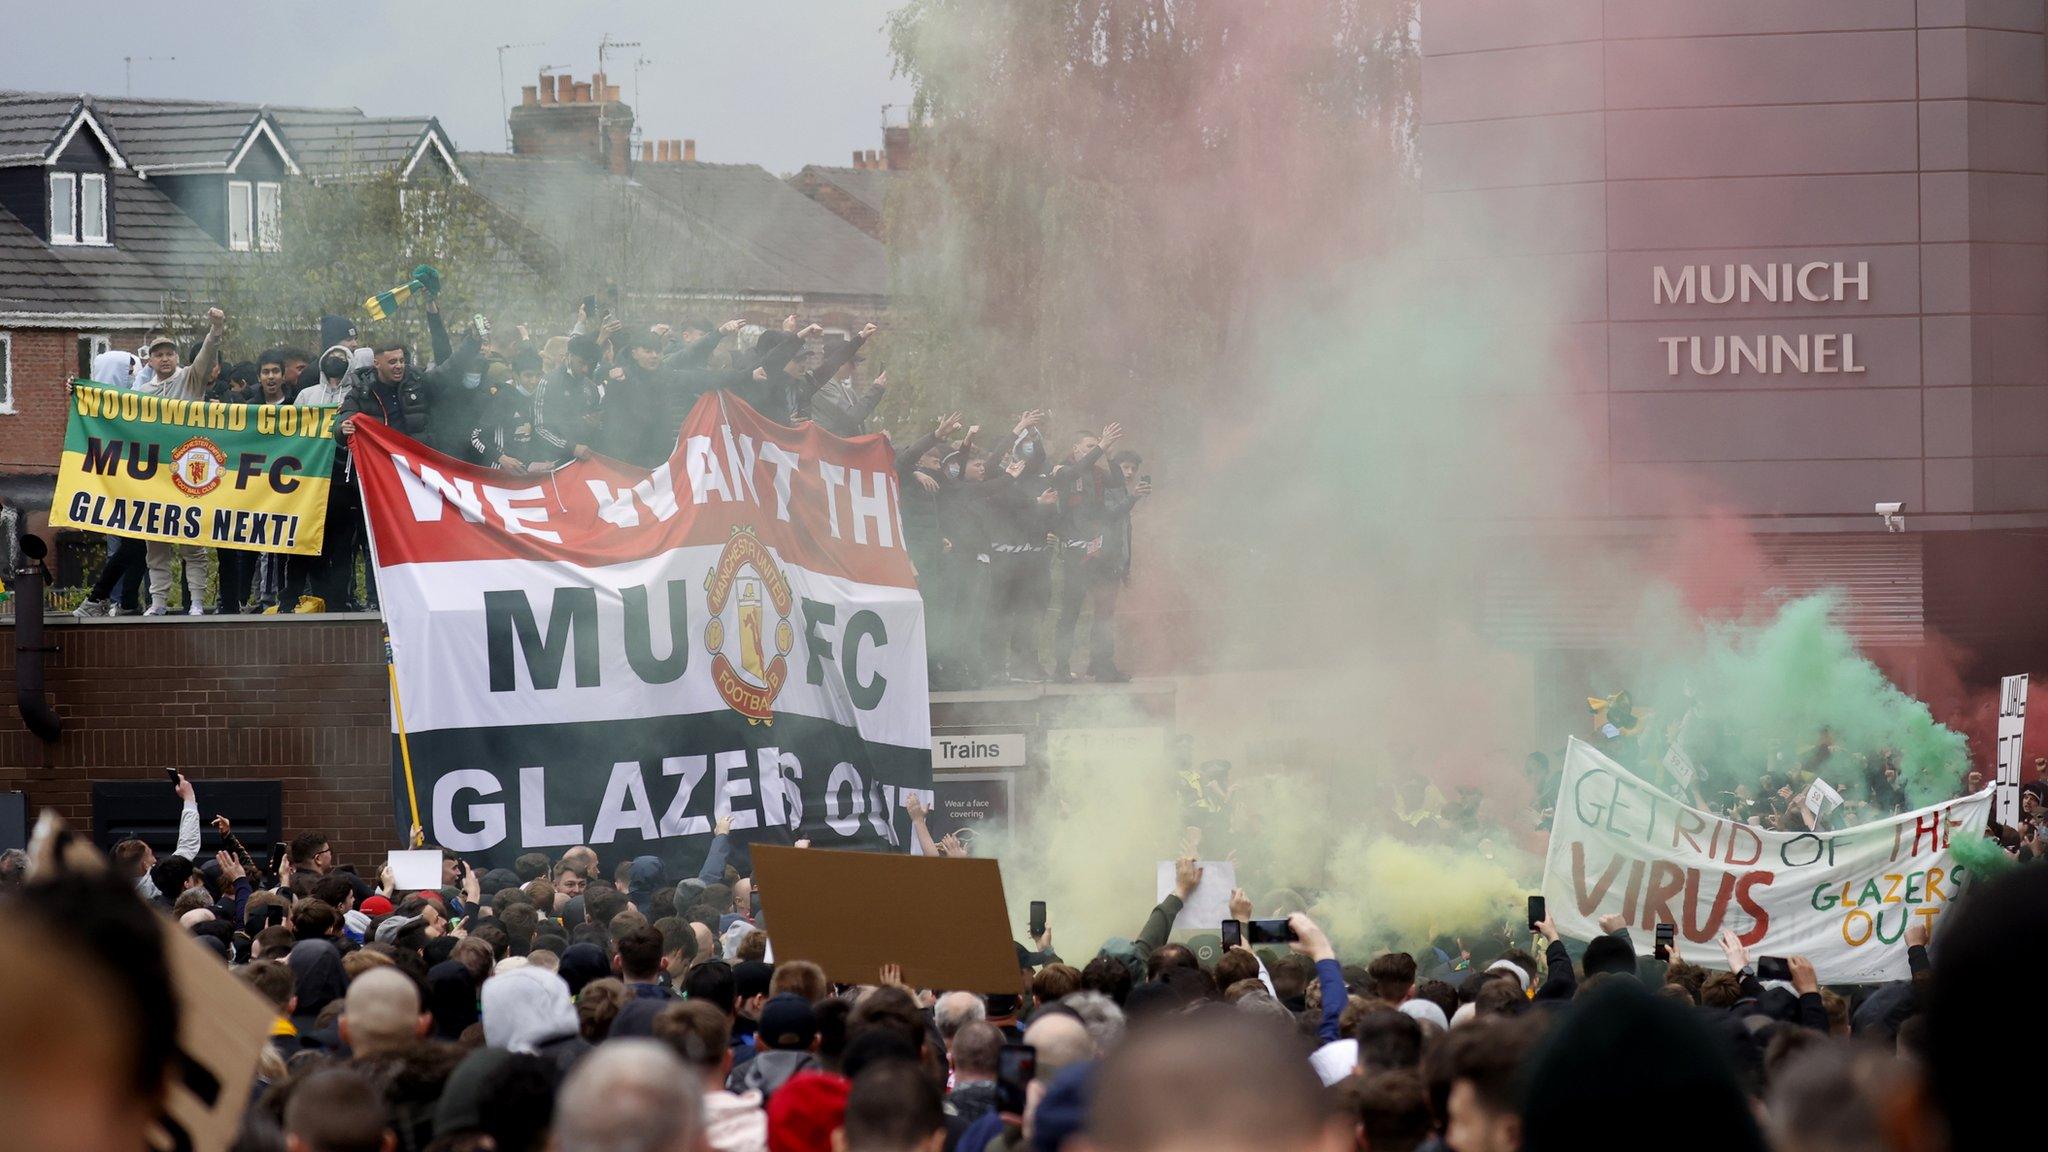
(779, 83)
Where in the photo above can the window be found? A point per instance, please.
(6, 373)
(92, 209)
(241, 214)
(269, 232)
(90, 348)
(78, 208)
(63, 208)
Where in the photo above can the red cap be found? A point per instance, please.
(805, 1112)
(376, 906)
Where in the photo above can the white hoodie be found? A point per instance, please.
(525, 1008)
(735, 1122)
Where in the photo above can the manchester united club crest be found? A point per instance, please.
(197, 466)
(742, 592)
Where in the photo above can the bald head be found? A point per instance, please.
(382, 1012)
(629, 1095)
(1222, 1081)
(1062, 1042)
(955, 1009)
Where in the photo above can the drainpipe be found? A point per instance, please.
(29, 648)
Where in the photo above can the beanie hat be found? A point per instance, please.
(356, 923)
(805, 1112)
(461, 1106)
(335, 329)
(388, 931)
(1520, 973)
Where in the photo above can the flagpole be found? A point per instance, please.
(412, 797)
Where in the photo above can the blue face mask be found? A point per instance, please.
(473, 380)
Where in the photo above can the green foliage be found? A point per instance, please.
(344, 241)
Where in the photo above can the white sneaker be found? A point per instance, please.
(88, 609)
(156, 610)
(195, 610)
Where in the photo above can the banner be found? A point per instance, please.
(2012, 736)
(1842, 899)
(200, 472)
(610, 656)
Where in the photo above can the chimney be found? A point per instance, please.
(564, 120)
(668, 151)
(527, 95)
(690, 151)
(896, 153)
(611, 93)
(860, 158)
(647, 151)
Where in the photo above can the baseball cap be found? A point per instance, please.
(787, 1021)
(156, 339)
(377, 906)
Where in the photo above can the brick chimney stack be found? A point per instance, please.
(575, 120)
(896, 151)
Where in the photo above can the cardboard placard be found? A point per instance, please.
(1209, 906)
(414, 870)
(943, 920)
(1821, 798)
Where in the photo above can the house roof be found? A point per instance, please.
(189, 135)
(684, 228)
(870, 186)
(342, 141)
(35, 126)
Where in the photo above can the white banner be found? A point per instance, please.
(1842, 899)
(2012, 734)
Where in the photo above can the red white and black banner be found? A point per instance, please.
(610, 656)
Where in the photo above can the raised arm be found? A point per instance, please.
(188, 821)
(1311, 941)
(437, 332)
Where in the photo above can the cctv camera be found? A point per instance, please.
(1891, 509)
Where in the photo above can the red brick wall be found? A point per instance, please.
(835, 200)
(233, 699)
(32, 438)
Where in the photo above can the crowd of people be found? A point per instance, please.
(584, 1005)
(988, 519)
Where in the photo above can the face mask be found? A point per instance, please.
(473, 380)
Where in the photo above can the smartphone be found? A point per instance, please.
(1016, 1064)
(590, 306)
(1538, 912)
(273, 916)
(1037, 919)
(278, 848)
(1666, 933)
(1773, 968)
(1233, 935)
(1271, 932)
(173, 774)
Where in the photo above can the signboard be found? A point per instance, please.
(1821, 799)
(942, 920)
(2012, 733)
(199, 472)
(968, 804)
(617, 656)
(979, 751)
(1841, 898)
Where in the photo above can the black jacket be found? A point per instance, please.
(409, 405)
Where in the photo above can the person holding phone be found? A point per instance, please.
(134, 857)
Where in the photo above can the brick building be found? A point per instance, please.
(1717, 201)
(113, 210)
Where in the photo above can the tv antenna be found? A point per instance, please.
(128, 68)
(504, 104)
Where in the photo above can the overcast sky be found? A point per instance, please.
(780, 83)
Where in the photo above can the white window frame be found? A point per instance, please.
(97, 344)
(243, 193)
(269, 217)
(64, 225)
(6, 373)
(92, 188)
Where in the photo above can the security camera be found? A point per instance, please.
(1893, 522)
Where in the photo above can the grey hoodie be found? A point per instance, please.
(526, 1008)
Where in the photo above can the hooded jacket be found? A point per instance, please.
(326, 391)
(642, 878)
(770, 1069)
(735, 1123)
(529, 1010)
(114, 369)
(317, 979)
(409, 405)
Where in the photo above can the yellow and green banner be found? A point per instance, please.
(203, 472)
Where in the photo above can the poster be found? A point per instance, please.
(1843, 899)
(1209, 906)
(970, 804)
(199, 472)
(2012, 734)
(617, 657)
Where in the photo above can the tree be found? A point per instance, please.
(1107, 194)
